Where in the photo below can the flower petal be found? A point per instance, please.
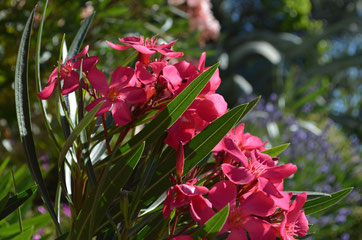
(117, 46)
(81, 53)
(70, 83)
(258, 204)
(133, 95)
(143, 49)
(171, 75)
(237, 175)
(202, 60)
(211, 107)
(143, 75)
(222, 193)
(237, 234)
(88, 63)
(104, 108)
(185, 69)
(121, 77)
(121, 113)
(98, 81)
(48, 90)
(280, 172)
(259, 229)
(201, 209)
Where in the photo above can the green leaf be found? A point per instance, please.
(249, 107)
(79, 37)
(318, 204)
(275, 151)
(213, 226)
(63, 237)
(72, 137)
(25, 235)
(37, 222)
(3, 202)
(23, 115)
(15, 201)
(38, 80)
(172, 112)
(310, 194)
(98, 201)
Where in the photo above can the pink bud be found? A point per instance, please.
(180, 161)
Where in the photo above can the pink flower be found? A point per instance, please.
(246, 214)
(185, 194)
(295, 222)
(189, 72)
(118, 95)
(68, 74)
(261, 168)
(146, 47)
(202, 111)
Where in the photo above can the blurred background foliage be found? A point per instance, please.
(303, 56)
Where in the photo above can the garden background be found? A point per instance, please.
(303, 57)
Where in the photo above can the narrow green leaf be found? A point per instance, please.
(79, 37)
(15, 201)
(69, 142)
(318, 204)
(25, 235)
(169, 115)
(98, 201)
(23, 115)
(3, 202)
(38, 80)
(250, 106)
(38, 222)
(310, 194)
(213, 226)
(275, 151)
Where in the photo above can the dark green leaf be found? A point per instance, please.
(321, 203)
(98, 201)
(62, 237)
(213, 226)
(15, 201)
(79, 37)
(72, 137)
(23, 115)
(275, 151)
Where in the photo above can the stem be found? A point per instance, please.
(186, 227)
(106, 133)
(174, 225)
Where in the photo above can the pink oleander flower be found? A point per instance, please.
(181, 195)
(207, 107)
(261, 170)
(202, 111)
(68, 74)
(118, 95)
(295, 222)
(146, 47)
(189, 72)
(246, 214)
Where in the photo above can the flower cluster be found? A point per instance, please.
(249, 181)
(243, 177)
